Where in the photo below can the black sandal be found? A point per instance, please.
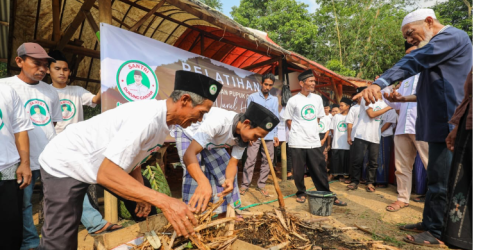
(340, 203)
(419, 239)
(417, 228)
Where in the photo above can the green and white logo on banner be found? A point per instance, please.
(136, 81)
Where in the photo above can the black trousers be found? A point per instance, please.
(359, 150)
(289, 158)
(11, 217)
(340, 162)
(316, 164)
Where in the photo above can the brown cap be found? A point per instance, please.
(33, 50)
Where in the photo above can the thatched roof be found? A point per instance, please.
(187, 24)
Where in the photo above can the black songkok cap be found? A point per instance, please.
(347, 101)
(261, 116)
(306, 74)
(358, 90)
(407, 45)
(137, 73)
(335, 105)
(57, 55)
(198, 84)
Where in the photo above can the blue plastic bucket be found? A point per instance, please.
(320, 202)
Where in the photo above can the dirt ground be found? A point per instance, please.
(364, 209)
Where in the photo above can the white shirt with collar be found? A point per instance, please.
(126, 135)
(47, 100)
(216, 129)
(408, 111)
(303, 111)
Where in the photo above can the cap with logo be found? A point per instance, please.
(198, 84)
(306, 74)
(347, 101)
(33, 50)
(261, 116)
(57, 55)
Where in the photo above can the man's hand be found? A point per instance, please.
(394, 97)
(451, 139)
(228, 187)
(201, 197)
(143, 209)
(180, 216)
(24, 174)
(276, 142)
(349, 140)
(369, 94)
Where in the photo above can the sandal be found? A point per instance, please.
(396, 207)
(363, 181)
(370, 188)
(420, 198)
(347, 181)
(419, 239)
(338, 202)
(352, 186)
(417, 228)
(301, 199)
(264, 192)
(243, 191)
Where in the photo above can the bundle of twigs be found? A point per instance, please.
(209, 234)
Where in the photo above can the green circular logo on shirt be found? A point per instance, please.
(377, 108)
(68, 109)
(1, 120)
(322, 125)
(136, 81)
(342, 126)
(308, 112)
(39, 112)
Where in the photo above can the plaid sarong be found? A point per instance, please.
(213, 163)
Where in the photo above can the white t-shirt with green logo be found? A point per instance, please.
(42, 105)
(391, 117)
(215, 131)
(13, 119)
(126, 135)
(72, 99)
(369, 129)
(324, 125)
(339, 129)
(352, 118)
(304, 111)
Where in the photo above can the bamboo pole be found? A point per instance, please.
(274, 177)
(284, 160)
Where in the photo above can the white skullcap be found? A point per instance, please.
(418, 15)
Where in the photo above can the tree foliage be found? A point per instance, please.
(287, 22)
(216, 4)
(457, 13)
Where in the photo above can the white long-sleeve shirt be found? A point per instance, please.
(407, 110)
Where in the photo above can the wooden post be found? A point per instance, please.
(56, 19)
(110, 201)
(282, 205)
(284, 160)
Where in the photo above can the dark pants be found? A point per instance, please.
(63, 211)
(436, 198)
(458, 219)
(289, 158)
(11, 216)
(340, 162)
(359, 150)
(314, 159)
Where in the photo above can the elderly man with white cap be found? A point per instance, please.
(444, 62)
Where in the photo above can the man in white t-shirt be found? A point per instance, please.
(304, 138)
(367, 136)
(15, 172)
(388, 123)
(222, 129)
(340, 148)
(72, 98)
(108, 149)
(42, 105)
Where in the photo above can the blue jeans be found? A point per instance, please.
(91, 217)
(436, 197)
(30, 235)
